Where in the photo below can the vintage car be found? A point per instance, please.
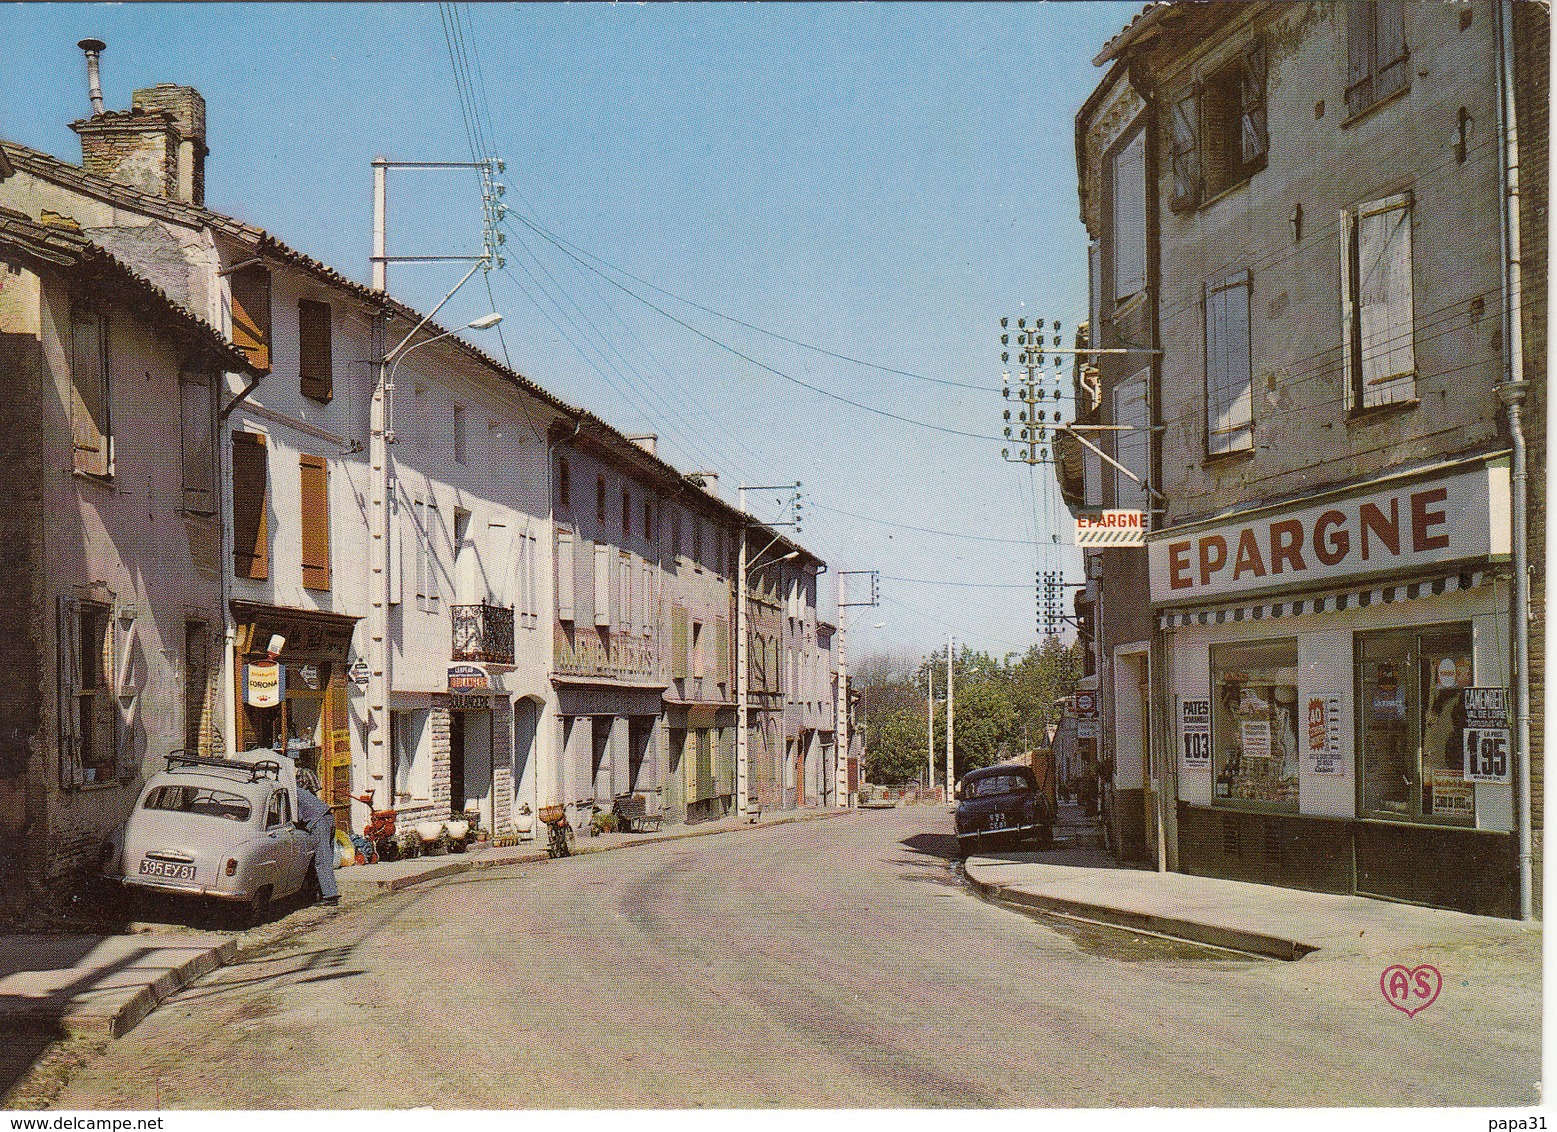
(1001, 804)
(223, 829)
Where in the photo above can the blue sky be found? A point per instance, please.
(884, 181)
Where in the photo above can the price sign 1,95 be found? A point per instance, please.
(1486, 754)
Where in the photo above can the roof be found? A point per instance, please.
(991, 771)
(263, 244)
(42, 244)
(1145, 21)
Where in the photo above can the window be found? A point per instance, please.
(200, 800)
(407, 748)
(250, 506)
(425, 515)
(1229, 380)
(600, 499)
(721, 652)
(565, 575)
(1217, 130)
(315, 361)
(199, 688)
(564, 484)
(1130, 217)
(1254, 724)
(91, 421)
(602, 586)
(89, 716)
(1376, 303)
(1410, 719)
(627, 513)
(315, 517)
(197, 415)
(1132, 448)
(251, 315)
(457, 427)
(1375, 53)
(279, 810)
(699, 662)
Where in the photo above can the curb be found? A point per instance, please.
(115, 1019)
(1189, 931)
(453, 868)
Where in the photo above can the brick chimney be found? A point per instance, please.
(157, 146)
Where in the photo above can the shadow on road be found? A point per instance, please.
(19, 1050)
(942, 845)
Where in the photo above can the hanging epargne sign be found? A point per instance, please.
(1195, 725)
(1416, 525)
(264, 683)
(1486, 735)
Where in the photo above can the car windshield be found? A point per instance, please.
(202, 800)
(996, 784)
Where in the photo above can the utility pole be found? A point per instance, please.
(929, 732)
(844, 603)
(379, 766)
(951, 715)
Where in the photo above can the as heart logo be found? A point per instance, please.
(1411, 991)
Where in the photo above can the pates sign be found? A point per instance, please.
(1417, 524)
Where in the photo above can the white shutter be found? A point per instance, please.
(1384, 306)
(565, 575)
(432, 539)
(1132, 449)
(1130, 218)
(1229, 384)
(419, 521)
(602, 585)
(531, 601)
(505, 582)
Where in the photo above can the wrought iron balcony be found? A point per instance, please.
(483, 633)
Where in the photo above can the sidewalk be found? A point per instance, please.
(1279, 923)
(105, 984)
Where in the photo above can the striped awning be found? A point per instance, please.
(1277, 607)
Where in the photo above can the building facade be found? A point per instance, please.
(1345, 317)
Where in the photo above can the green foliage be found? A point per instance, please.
(1003, 706)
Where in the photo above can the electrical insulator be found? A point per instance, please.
(1005, 339)
(1022, 322)
(1002, 324)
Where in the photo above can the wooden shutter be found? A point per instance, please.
(69, 668)
(721, 651)
(1389, 48)
(1253, 139)
(315, 366)
(1130, 217)
(89, 402)
(1185, 116)
(565, 575)
(1132, 448)
(678, 642)
(431, 537)
(1383, 301)
(196, 429)
(251, 315)
(1359, 55)
(531, 606)
(602, 585)
(315, 517)
(1229, 386)
(250, 506)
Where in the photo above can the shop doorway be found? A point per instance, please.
(640, 768)
(470, 764)
(1128, 791)
(526, 729)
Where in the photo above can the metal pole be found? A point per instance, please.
(929, 731)
(380, 264)
(742, 676)
(1512, 393)
(844, 738)
(950, 716)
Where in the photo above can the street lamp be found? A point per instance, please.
(402, 351)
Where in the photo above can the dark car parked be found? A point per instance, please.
(1002, 804)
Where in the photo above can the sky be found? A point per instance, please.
(880, 182)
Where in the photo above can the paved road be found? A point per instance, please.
(833, 963)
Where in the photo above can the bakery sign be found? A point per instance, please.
(468, 678)
(1418, 524)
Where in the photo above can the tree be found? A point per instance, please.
(894, 747)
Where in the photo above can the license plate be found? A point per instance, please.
(167, 869)
(997, 821)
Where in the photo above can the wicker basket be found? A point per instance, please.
(553, 815)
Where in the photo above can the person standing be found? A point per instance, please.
(319, 823)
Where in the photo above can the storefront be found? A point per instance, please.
(1338, 670)
(291, 687)
(610, 734)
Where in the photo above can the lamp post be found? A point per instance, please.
(378, 755)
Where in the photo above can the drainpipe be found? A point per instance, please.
(1512, 392)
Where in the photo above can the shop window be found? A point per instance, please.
(1410, 720)
(1376, 303)
(1254, 724)
(408, 750)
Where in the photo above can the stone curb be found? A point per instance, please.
(1128, 919)
(114, 1016)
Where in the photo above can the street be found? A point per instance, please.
(835, 963)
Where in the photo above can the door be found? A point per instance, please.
(526, 726)
(457, 762)
(476, 731)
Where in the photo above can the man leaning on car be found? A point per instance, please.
(319, 823)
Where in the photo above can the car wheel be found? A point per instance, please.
(1045, 838)
(258, 907)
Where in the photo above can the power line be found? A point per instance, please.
(965, 585)
(922, 530)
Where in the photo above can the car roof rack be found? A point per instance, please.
(255, 770)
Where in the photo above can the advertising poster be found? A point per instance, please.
(1256, 738)
(1195, 726)
(1324, 735)
(1486, 735)
(1452, 795)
